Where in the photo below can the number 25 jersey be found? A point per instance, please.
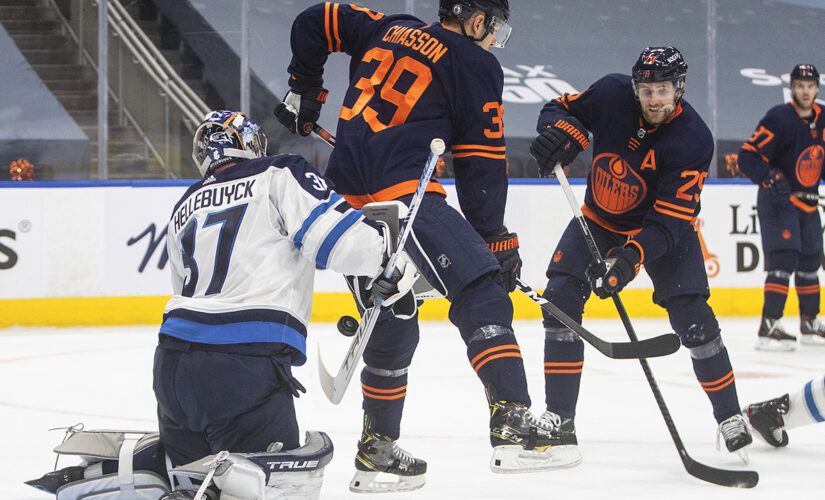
(410, 82)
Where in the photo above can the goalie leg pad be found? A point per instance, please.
(283, 475)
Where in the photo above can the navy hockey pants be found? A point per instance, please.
(457, 262)
(680, 285)
(212, 401)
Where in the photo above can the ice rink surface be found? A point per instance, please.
(56, 377)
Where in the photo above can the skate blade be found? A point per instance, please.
(812, 340)
(381, 482)
(764, 344)
(512, 459)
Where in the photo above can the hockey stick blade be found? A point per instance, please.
(722, 477)
(335, 387)
(662, 345)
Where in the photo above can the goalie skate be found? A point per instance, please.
(522, 443)
(382, 466)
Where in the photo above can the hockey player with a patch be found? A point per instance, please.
(651, 152)
(784, 156)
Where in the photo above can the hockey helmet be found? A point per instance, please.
(497, 14)
(224, 136)
(805, 72)
(660, 64)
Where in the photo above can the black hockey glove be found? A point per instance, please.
(777, 184)
(620, 266)
(560, 142)
(504, 246)
(301, 107)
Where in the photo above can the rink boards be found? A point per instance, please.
(94, 253)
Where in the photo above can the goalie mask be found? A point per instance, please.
(660, 64)
(496, 12)
(225, 136)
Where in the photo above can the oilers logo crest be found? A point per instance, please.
(617, 188)
(809, 165)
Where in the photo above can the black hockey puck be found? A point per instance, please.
(347, 325)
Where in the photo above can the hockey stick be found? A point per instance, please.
(803, 195)
(335, 387)
(723, 477)
(647, 348)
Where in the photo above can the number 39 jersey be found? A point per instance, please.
(243, 247)
(410, 82)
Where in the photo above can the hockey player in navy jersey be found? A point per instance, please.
(243, 246)
(651, 152)
(784, 157)
(772, 418)
(412, 82)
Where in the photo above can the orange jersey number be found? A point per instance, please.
(695, 179)
(404, 101)
(761, 132)
(497, 119)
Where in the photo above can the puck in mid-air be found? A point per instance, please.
(347, 325)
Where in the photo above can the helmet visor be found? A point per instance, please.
(501, 31)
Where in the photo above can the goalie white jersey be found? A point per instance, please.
(243, 246)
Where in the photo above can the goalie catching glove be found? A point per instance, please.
(609, 277)
(302, 106)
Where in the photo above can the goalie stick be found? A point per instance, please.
(722, 477)
(648, 348)
(334, 387)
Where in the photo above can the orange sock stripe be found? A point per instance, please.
(807, 290)
(563, 371)
(774, 288)
(374, 396)
(718, 384)
(492, 350)
(385, 391)
(502, 355)
(573, 363)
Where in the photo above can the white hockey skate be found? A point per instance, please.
(737, 437)
(812, 330)
(523, 443)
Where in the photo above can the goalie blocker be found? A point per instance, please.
(130, 465)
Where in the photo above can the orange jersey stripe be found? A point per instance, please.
(502, 355)
(326, 26)
(674, 207)
(478, 146)
(802, 205)
(335, 28)
(673, 214)
(598, 220)
(485, 155)
(392, 193)
(750, 147)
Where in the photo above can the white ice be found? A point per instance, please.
(102, 377)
